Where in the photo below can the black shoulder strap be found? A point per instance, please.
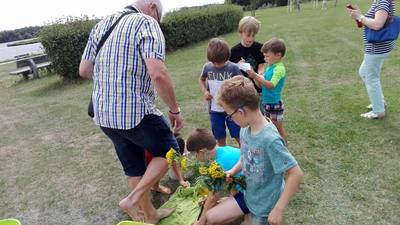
(105, 36)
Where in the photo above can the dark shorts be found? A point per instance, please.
(239, 197)
(219, 124)
(152, 133)
(274, 111)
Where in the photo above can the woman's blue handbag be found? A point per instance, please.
(389, 32)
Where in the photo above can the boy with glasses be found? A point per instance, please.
(264, 159)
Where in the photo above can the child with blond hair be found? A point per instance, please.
(248, 50)
(271, 172)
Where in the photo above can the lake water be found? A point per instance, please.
(10, 52)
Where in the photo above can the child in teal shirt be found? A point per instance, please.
(272, 173)
(272, 82)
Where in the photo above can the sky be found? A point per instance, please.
(16, 14)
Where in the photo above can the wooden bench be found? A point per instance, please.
(31, 65)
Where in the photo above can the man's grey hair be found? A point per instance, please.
(146, 2)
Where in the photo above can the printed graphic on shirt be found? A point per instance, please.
(215, 77)
(253, 163)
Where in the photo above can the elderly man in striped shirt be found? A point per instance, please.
(127, 72)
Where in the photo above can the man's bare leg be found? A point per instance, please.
(139, 198)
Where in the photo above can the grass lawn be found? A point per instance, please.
(57, 167)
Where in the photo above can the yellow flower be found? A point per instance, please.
(203, 170)
(183, 164)
(216, 171)
(204, 191)
(170, 156)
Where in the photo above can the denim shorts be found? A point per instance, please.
(239, 197)
(274, 111)
(219, 124)
(152, 133)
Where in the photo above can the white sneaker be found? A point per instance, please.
(369, 107)
(372, 115)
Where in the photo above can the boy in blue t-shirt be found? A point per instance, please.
(202, 143)
(272, 82)
(264, 157)
(213, 74)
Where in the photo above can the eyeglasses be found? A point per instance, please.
(229, 116)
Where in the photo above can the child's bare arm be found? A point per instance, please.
(203, 87)
(235, 169)
(260, 79)
(177, 171)
(260, 69)
(293, 180)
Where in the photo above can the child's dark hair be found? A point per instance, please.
(275, 46)
(218, 51)
(199, 139)
(181, 142)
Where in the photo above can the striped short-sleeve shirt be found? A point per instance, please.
(381, 47)
(122, 89)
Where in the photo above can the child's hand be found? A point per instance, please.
(184, 184)
(207, 96)
(229, 174)
(251, 73)
(275, 217)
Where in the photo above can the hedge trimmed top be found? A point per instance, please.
(64, 42)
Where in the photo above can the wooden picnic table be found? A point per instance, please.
(31, 65)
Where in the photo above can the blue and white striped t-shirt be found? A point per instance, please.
(381, 47)
(122, 89)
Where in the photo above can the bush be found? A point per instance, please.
(65, 42)
(191, 25)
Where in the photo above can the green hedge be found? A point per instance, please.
(191, 25)
(65, 40)
(64, 43)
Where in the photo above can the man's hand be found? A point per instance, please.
(176, 121)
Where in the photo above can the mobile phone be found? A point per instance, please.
(359, 24)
